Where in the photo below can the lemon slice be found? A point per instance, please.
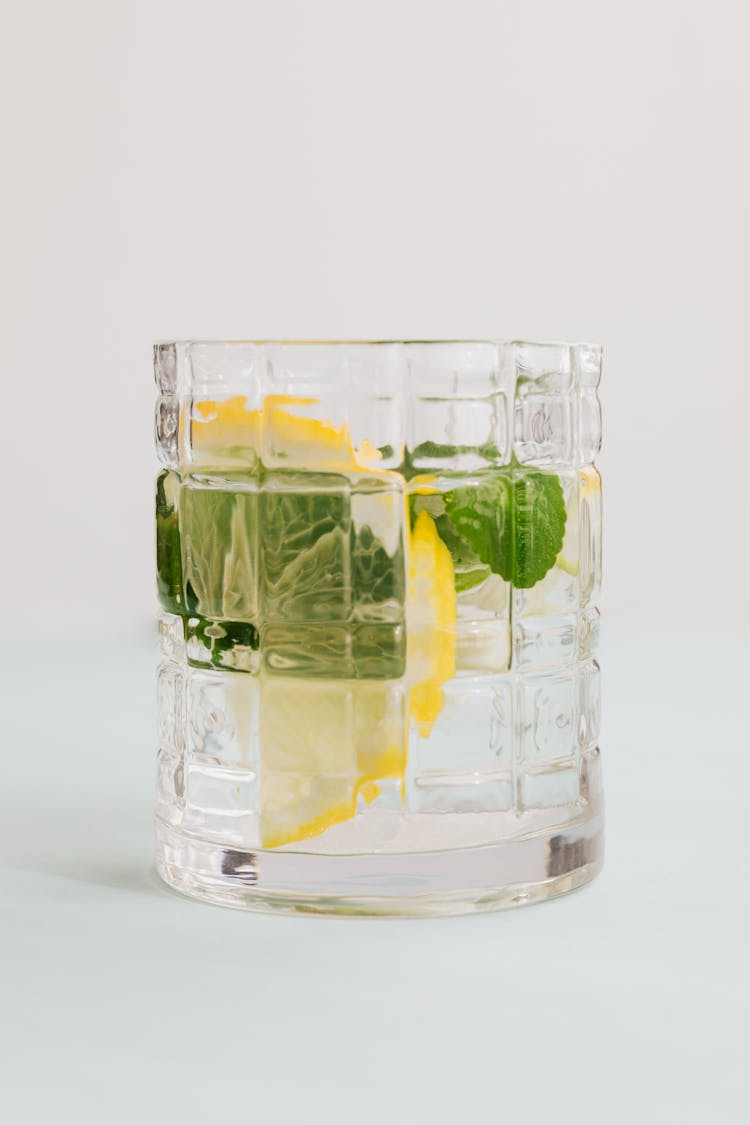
(589, 480)
(230, 434)
(223, 431)
(323, 744)
(589, 487)
(431, 644)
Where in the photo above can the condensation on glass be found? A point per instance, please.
(378, 567)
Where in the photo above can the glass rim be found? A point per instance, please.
(353, 342)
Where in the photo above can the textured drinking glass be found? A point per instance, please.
(378, 566)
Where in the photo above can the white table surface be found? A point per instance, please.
(624, 1002)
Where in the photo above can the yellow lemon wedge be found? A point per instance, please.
(324, 743)
(327, 743)
(230, 434)
(589, 489)
(431, 644)
(589, 481)
(222, 431)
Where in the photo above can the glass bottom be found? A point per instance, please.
(509, 872)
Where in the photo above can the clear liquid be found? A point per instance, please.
(304, 701)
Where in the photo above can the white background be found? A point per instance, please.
(542, 170)
(333, 169)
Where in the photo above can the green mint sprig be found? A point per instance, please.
(511, 524)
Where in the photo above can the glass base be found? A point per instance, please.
(510, 872)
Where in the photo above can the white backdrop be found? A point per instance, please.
(546, 170)
(204, 168)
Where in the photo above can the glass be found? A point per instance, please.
(378, 566)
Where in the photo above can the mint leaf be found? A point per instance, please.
(514, 522)
(168, 553)
(377, 578)
(481, 514)
(222, 644)
(538, 525)
(305, 547)
(217, 526)
(468, 579)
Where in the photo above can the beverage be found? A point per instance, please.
(377, 566)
